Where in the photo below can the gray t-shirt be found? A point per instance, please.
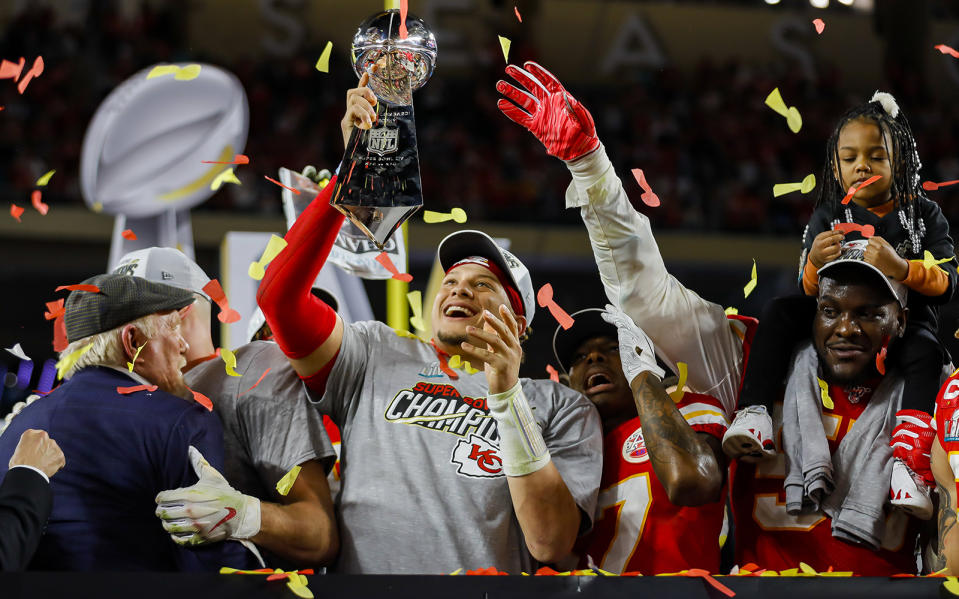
(268, 430)
(423, 488)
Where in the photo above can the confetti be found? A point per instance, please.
(881, 356)
(384, 259)
(55, 312)
(16, 211)
(11, 70)
(649, 198)
(415, 298)
(297, 584)
(518, 16)
(79, 287)
(237, 159)
(323, 62)
(201, 399)
(854, 189)
(265, 372)
(753, 280)
(273, 248)
(191, 71)
(824, 394)
(553, 374)
(951, 584)
(677, 395)
(227, 176)
(296, 191)
(866, 231)
(42, 181)
(216, 293)
(459, 362)
(129, 235)
(284, 485)
(695, 572)
(18, 352)
(544, 297)
(97, 207)
(37, 203)
(404, 8)
(229, 358)
(805, 186)
(66, 362)
(730, 311)
(819, 24)
(35, 71)
(456, 214)
(135, 356)
(504, 44)
(775, 101)
(941, 47)
(933, 186)
(928, 260)
(187, 73)
(135, 388)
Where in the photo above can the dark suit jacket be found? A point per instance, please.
(25, 503)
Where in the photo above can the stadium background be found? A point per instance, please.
(676, 88)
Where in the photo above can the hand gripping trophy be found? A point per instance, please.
(378, 186)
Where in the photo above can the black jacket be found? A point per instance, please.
(25, 504)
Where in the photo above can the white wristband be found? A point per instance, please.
(521, 444)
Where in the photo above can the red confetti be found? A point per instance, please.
(881, 356)
(237, 159)
(135, 388)
(486, 572)
(129, 235)
(696, 572)
(933, 186)
(403, 9)
(35, 71)
(216, 293)
(257, 380)
(384, 259)
(55, 312)
(518, 17)
(847, 228)
(16, 211)
(278, 576)
(79, 287)
(444, 364)
(649, 198)
(553, 375)
(852, 190)
(11, 70)
(544, 297)
(296, 191)
(38, 203)
(819, 25)
(947, 50)
(201, 399)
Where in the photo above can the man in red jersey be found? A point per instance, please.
(942, 554)
(661, 497)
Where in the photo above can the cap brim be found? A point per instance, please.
(861, 264)
(587, 324)
(464, 244)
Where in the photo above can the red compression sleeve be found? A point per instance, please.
(301, 322)
(317, 382)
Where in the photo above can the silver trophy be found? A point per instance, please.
(378, 186)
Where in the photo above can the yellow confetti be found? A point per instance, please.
(187, 73)
(928, 260)
(806, 568)
(139, 349)
(753, 280)
(805, 186)
(227, 176)
(97, 207)
(229, 358)
(824, 393)
(951, 585)
(297, 583)
(504, 43)
(323, 64)
(730, 311)
(677, 395)
(66, 362)
(273, 249)
(775, 101)
(286, 483)
(456, 214)
(162, 69)
(458, 362)
(416, 304)
(191, 71)
(45, 178)
(456, 572)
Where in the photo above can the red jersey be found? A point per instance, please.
(770, 537)
(947, 421)
(333, 432)
(637, 529)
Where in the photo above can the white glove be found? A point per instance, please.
(635, 349)
(209, 511)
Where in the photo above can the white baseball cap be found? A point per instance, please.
(851, 252)
(164, 265)
(464, 244)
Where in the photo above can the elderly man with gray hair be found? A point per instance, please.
(127, 421)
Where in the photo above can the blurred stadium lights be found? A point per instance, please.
(772, 1)
(819, 3)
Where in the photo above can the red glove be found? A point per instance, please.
(912, 442)
(548, 111)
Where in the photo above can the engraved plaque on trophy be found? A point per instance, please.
(378, 186)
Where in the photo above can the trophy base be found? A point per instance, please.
(377, 222)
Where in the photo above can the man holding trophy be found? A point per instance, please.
(475, 466)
